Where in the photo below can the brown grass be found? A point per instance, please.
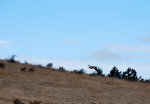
(61, 87)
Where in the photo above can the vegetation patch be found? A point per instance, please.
(35, 102)
(81, 71)
(12, 59)
(2, 65)
(23, 69)
(49, 65)
(17, 101)
(31, 69)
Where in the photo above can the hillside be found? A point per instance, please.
(52, 86)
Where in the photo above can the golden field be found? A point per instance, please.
(51, 86)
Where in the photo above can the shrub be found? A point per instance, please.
(17, 101)
(130, 74)
(23, 69)
(115, 73)
(12, 59)
(93, 74)
(2, 65)
(35, 102)
(49, 65)
(31, 69)
(61, 68)
(81, 71)
(141, 79)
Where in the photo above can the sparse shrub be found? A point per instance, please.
(61, 68)
(35, 102)
(12, 59)
(49, 65)
(93, 74)
(17, 101)
(81, 71)
(2, 65)
(115, 73)
(31, 69)
(23, 69)
(141, 79)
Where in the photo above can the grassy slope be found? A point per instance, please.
(60, 87)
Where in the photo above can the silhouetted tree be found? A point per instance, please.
(98, 70)
(115, 73)
(49, 65)
(12, 59)
(130, 74)
(61, 68)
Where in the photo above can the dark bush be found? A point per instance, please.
(81, 71)
(12, 59)
(147, 80)
(35, 102)
(141, 79)
(61, 68)
(2, 65)
(49, 65)
(17, 101)
(31, 70)
(115, 73)
(130, 74)
(23, 69)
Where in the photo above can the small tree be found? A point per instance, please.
(98, 70)
(61, 68)
(49, 65)
(130, 74)
(12, 59)
(115, 73)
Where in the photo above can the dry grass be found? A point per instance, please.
(60, 87)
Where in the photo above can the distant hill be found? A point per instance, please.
(34, 84)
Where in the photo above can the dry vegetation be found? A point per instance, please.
(49, 86)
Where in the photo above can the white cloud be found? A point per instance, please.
(105, 54)
(4, 43)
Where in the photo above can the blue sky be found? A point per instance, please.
(76, 33)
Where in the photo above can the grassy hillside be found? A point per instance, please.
(52, 86)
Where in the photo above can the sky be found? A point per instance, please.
(77, 33)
